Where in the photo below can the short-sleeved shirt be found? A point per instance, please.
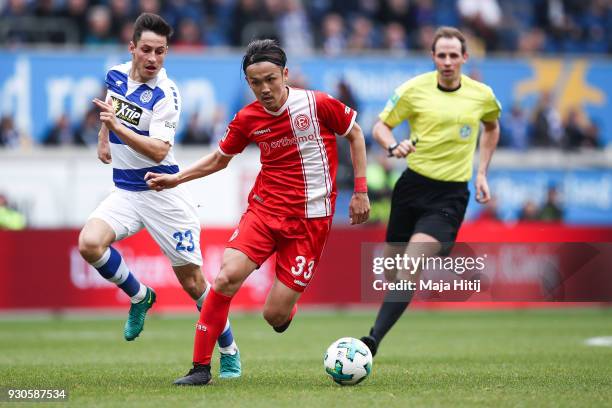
(445, 123)
(150, 109)
(298, 152)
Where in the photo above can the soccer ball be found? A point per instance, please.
(348, 361)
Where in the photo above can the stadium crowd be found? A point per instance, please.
(332, 26)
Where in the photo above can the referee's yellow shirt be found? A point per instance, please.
(446, 123)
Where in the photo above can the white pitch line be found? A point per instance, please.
(599, 341)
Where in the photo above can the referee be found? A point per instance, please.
(444, 109)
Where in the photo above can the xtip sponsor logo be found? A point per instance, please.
(302, 122)
(127, 111)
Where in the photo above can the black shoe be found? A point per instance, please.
(282, 327)
(372, 344)
(198, 375)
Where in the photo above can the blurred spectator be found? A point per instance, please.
(529, 211)
(515, 129)
(9, 136)
(363, 35)
(547, 129)
(580, 132)
(395, 38)
(100, 28)
(333, 38)
(195, 133)
(121, 13)
(62, 133)
(294, 28)
(10, 219)
(76, 11)
(489, 212)
(189, 37)
(483, 17)
(551, 210)
(149, 6)
(87, 133)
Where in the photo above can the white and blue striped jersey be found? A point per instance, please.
(150, 109)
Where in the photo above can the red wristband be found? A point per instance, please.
(361, 185)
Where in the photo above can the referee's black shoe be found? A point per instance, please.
(372, 344)
(198, 375)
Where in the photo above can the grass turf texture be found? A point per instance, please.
(503, 358)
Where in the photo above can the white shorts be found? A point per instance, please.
(169, 216)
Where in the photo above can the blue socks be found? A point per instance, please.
(112, 267)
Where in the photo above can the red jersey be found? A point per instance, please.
(298, 151)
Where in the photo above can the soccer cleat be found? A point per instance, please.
(137, 314)
(230, 365)
(198, 375)
(372, 344)
(282, 327)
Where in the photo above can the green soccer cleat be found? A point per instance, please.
(230, 365)
(136, 317)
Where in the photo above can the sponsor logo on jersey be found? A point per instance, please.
(262, 131)
(169, 124)
(302, 122)
(146, 96)
(297, 282)
(127, 111)
(465, 131)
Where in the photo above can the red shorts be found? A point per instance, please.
(298, 243)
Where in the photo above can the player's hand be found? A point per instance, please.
(107, 114)
(404, 148)
(483, 195)
(104, 153)
(159, 182)
(359, 208)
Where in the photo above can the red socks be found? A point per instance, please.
(210, 326)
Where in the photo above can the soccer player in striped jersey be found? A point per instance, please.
(292, 202)
(139, 119)
(445, 110)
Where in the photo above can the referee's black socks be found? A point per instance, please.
(390, 311)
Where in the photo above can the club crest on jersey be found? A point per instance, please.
(465, 131)
(302, 122)
(146, 96)
(127, 111)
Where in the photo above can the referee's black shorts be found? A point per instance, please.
(432, 207)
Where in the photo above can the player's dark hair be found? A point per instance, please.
(151, 22)
(449, 32)
(264, 50)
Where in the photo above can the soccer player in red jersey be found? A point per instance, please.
(292, 202)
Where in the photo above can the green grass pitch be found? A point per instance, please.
(521, 358)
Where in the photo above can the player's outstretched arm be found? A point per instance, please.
(208, 164)
(154, 149)
(488, 143)
(383, 134)
(104, 153)
(359, 207)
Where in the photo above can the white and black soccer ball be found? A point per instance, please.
(348, 361)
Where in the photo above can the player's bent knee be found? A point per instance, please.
(225, 284)
(90, 248)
